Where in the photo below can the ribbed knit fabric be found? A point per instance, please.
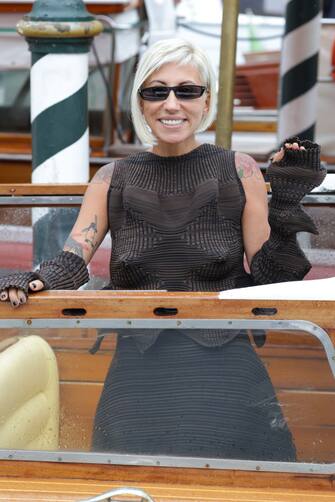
(176, 225)
(180, 398)
(66, 271)
(19, 280)
(280, 259)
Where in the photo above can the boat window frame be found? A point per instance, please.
(60, 456)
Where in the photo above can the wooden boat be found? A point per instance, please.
(299, 355)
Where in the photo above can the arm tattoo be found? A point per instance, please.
(246, 166)
(104, 174)
(88, 235)
(90, 232)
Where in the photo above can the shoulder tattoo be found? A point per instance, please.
(246, 166)
(104, 174)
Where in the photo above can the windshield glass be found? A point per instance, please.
(205, 393)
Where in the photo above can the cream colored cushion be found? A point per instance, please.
(29, 395)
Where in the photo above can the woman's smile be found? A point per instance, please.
(172, 123)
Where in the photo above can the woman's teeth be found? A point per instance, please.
(172, 122)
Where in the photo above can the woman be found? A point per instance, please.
(181, 216)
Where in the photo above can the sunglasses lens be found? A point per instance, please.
(155, 93)
(189, 91)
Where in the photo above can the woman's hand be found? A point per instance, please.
(18, 297)
(288, 146)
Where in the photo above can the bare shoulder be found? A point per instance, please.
(250, 175)
(103, 175)
(247, 167)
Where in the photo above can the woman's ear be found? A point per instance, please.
(207, 102)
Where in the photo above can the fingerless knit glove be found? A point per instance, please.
(19, 280)
(280, 259)
(66, 271)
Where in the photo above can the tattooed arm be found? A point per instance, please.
(92, 222)
(86, 235)
(255, 226)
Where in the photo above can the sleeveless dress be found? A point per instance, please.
(175, 224)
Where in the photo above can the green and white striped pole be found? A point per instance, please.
(298, 70)
(59, 35)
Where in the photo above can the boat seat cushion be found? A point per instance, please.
(29, 397)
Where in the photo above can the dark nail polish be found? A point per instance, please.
(14, 304)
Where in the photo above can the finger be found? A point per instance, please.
(21, 296)
(13, 298)
(36, 285)
(288, 145)
(3, 296)
(278, 155)
(295, 146)
(302, 148)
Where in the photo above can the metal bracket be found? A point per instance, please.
(108, 496)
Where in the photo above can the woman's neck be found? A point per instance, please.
(174, 149)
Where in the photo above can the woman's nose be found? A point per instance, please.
(171, 101)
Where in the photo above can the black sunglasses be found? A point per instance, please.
(160, 93)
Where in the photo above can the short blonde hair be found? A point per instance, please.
(171, 51)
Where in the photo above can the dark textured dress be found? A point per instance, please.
(175, 224)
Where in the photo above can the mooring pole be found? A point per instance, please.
(59, 35)
(224, 120)
(298, 70)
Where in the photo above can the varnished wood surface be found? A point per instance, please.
(70, 491)
(141, 305)
(19, 171)
(46, 189)
(16, 142)
(28, 189)
(187, 477)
